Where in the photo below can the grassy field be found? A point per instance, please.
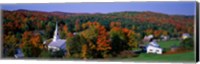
(168, 44)
(181, 57)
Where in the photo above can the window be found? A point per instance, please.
(150, 50)
(157, 50)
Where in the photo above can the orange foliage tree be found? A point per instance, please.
(31, 44)
(97, 37)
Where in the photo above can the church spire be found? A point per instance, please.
(56, 36)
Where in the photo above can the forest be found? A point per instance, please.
(99, 35)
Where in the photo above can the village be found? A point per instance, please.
(125, 35)
(150, 45)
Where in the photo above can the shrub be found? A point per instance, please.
(125, 54)
(187, 43)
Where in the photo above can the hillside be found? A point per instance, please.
(128, 18)
(98, 35)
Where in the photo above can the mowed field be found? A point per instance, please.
(179, 57)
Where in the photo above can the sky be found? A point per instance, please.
(171, 8)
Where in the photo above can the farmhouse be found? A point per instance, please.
(57, 44)
(185, 35)
(19, 53)
(164, 37)
(153, 47)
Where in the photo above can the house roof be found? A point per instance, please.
(150, 36)
(186, 34)
(19, 53)
(57, 43)
(154, 44)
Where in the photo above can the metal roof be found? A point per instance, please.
(58, 43)
(154, 44)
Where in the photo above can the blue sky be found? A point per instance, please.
(172, 8)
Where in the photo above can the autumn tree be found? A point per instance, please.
(118, 38)
(90, 36)
(10, 44)
(77, 25)
(157, 33)
(31, 44)
(149, 31)
(133, 38)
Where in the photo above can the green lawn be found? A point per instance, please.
(168, 44)
(181, 57)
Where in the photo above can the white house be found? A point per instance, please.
(153, 47)
(19, 53)
(185, 35)
(57, 44)
(164, 38)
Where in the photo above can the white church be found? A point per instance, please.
(56, 44)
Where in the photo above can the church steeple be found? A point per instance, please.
(56, 36)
